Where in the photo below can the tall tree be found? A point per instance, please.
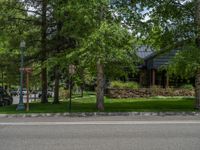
(187, 63)
(104, 43)
(109, 44)
(11, 29)
(44, 27)
(42, 24)
(28, 21)
(197, 82)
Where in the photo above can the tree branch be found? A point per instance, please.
(27, 10)
(26, 20)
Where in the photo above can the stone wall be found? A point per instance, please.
(147, 92)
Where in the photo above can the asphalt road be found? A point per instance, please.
(104, 133)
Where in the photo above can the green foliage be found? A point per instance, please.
(187, 86)
(128, 85)
(16, 25)
(70, 25)
(171, 22)
(9, 66)
(111, 44)
(186, 62)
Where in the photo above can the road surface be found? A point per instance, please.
(102, 133)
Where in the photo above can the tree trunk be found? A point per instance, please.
(83, 82)
(56, 87)
(198, 15)
(100, 86)
(2, 80)
(198, 23)
(44, 53)
(82, 90)
(44, 98)
(197, 81)
(197, 90)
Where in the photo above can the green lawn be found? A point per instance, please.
(111, 105)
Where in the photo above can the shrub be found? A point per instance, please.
(155, 90)
(158, 91)
(63, 93)
(128, 85)
(187, 86)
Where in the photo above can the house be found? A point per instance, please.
(153, 70)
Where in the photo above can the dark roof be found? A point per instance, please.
(155, 59)
(144, 52)
(160, 59)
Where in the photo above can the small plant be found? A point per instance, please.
(128, 85)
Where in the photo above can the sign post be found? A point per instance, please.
(28, 71)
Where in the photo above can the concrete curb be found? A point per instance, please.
(99, 114)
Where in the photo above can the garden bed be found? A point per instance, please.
(147, 92)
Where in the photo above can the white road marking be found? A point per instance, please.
(98, 123)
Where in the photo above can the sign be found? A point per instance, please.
(72, 69)
(27, 70)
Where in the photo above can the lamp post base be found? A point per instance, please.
(20, 107)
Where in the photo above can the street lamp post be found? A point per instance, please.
(21, 103)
